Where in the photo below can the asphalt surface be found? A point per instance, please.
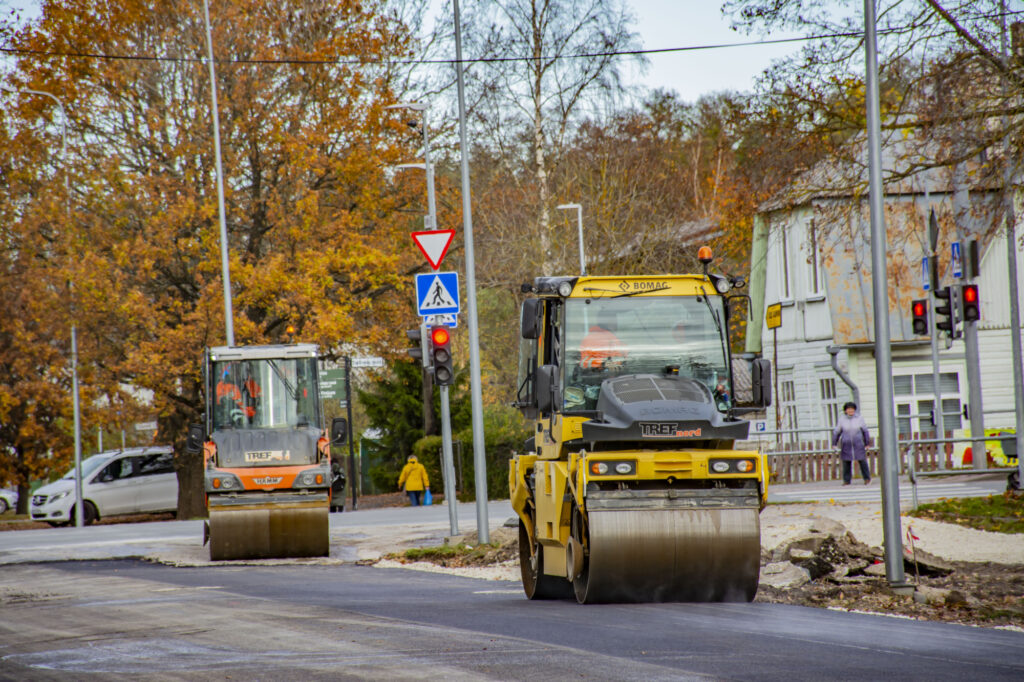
(132, 620)
(83, 618)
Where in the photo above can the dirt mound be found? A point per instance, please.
(830, 568)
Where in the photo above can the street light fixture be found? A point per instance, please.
(79, 521)
(579, 223)
(430, 222)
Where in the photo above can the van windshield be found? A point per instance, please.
(89, 465)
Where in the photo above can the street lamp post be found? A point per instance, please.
(79, 522)
(430, 223)
(225, 267)
(579, 225)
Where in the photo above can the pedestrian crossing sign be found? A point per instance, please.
(437, 293)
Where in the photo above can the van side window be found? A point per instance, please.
(160, 463)
(116, 470)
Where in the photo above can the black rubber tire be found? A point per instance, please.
(536, 585)
(3, 505)
(1013, 482)
(89, 514)
(581, 582)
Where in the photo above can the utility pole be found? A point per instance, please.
(880, 299)
(1009, 168)
(225, 269)
(476, 390)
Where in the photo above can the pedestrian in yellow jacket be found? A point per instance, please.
(414, 480)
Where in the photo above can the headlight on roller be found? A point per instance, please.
(311, 478)
(613, 468)
(732, 466)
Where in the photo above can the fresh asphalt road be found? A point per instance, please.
(120, 620)
(128, 619)
(140, 539)
(125, 540)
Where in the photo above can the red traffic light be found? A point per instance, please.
(972, 311)
(919, 315)
(439, 336)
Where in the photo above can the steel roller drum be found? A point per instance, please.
(239, 531)
(667, 555)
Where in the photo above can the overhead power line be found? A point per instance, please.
(480, 60)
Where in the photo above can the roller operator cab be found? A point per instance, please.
(267, 464)
(630, 489)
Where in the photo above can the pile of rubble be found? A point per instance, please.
(828, 550)
(827, 566)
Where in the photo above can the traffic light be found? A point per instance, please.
(441, 354)
(919, 312)
(970, 301)
(416, 336)
(944, 317)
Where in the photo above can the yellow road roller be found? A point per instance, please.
(630, 489)
(267, 465)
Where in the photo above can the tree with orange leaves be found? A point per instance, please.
(316, 238)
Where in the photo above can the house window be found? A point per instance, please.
(915, 399)
(813, 274)
(787, 405)
(829, 402)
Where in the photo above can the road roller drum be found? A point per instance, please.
(268, 529)
(691, 555)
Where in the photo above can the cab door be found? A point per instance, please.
(112, 488)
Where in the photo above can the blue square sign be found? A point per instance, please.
(437, 293)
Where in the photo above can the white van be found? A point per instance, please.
(133, 481)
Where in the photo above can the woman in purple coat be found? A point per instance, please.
(851, 437)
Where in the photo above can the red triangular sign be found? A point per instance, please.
(434, 244)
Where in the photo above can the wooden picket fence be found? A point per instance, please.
(804, 461)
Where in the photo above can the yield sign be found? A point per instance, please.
(434, 244)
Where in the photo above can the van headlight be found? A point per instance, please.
(60, 496)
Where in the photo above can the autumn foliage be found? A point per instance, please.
(317, 240)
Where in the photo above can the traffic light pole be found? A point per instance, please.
(974, 405)
(940, 429)
(448, 463)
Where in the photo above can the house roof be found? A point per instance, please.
(907, 169)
